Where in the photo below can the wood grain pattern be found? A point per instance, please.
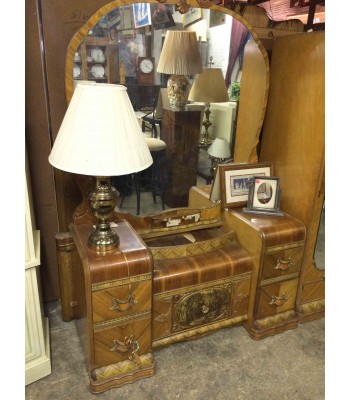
(230, 260)
(115, 375)
(269, 238)
(139, 328)
(103, 300)
(121, 272)
(294, 139)
(284, 290)
(292, 258)
(131, 258)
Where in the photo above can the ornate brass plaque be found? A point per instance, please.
(201, 307)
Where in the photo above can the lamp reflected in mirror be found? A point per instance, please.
(208, 87)
(219, 152)
(179, 57)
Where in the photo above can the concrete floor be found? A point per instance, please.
(225, 365)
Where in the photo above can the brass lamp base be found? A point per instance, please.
(206, 139)
(102, 202)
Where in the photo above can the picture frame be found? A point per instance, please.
(192, 16)
(264, 196)
(161, 16)
(231, 182)
(142, 14)
(127, 19)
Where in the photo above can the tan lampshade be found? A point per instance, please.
(209, 87)
(219, 148)
(180, 54)
(100, 135)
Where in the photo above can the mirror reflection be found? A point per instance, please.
(125, 46)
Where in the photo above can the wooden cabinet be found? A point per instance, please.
(181, 133)
(293, 140)
(113, 308)
(277, 248)
(96, 60)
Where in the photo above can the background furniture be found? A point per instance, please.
(181, 133)
(113, 304)
(143, 97)
(154, 179)
(294, 140)
(37, 344)
(87, 62)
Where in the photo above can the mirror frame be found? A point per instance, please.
(94, 18)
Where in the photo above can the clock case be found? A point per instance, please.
(143, 77)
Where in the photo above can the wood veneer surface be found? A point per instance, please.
(129, 259)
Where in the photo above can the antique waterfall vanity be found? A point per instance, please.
(184, 272)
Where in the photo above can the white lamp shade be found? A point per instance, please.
(219, 148)
(100, 134)
(180, 54)
(209, 87)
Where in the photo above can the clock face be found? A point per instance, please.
(146, 66)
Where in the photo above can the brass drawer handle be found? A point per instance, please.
(284, 265)
(128, 345)
(124, 304)
(278, 301)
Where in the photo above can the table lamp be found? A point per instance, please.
(179, 57)
(208, 87)
(101, 137)
(218, 151)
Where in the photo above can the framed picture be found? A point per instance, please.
(264, 196)
(142, 14)
(233, 180)
(161, 16)
(127, 18)
(192, 16)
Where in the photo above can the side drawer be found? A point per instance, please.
(277, 298)
(283, 262)
(110, 340)
(121, 301)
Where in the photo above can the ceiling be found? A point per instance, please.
(281, 10)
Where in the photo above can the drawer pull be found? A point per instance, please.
(123, 305)
(278, 301)
(130, 345)
(284, 265)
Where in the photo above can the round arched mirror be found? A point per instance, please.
(121, 37)
(121, 43)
